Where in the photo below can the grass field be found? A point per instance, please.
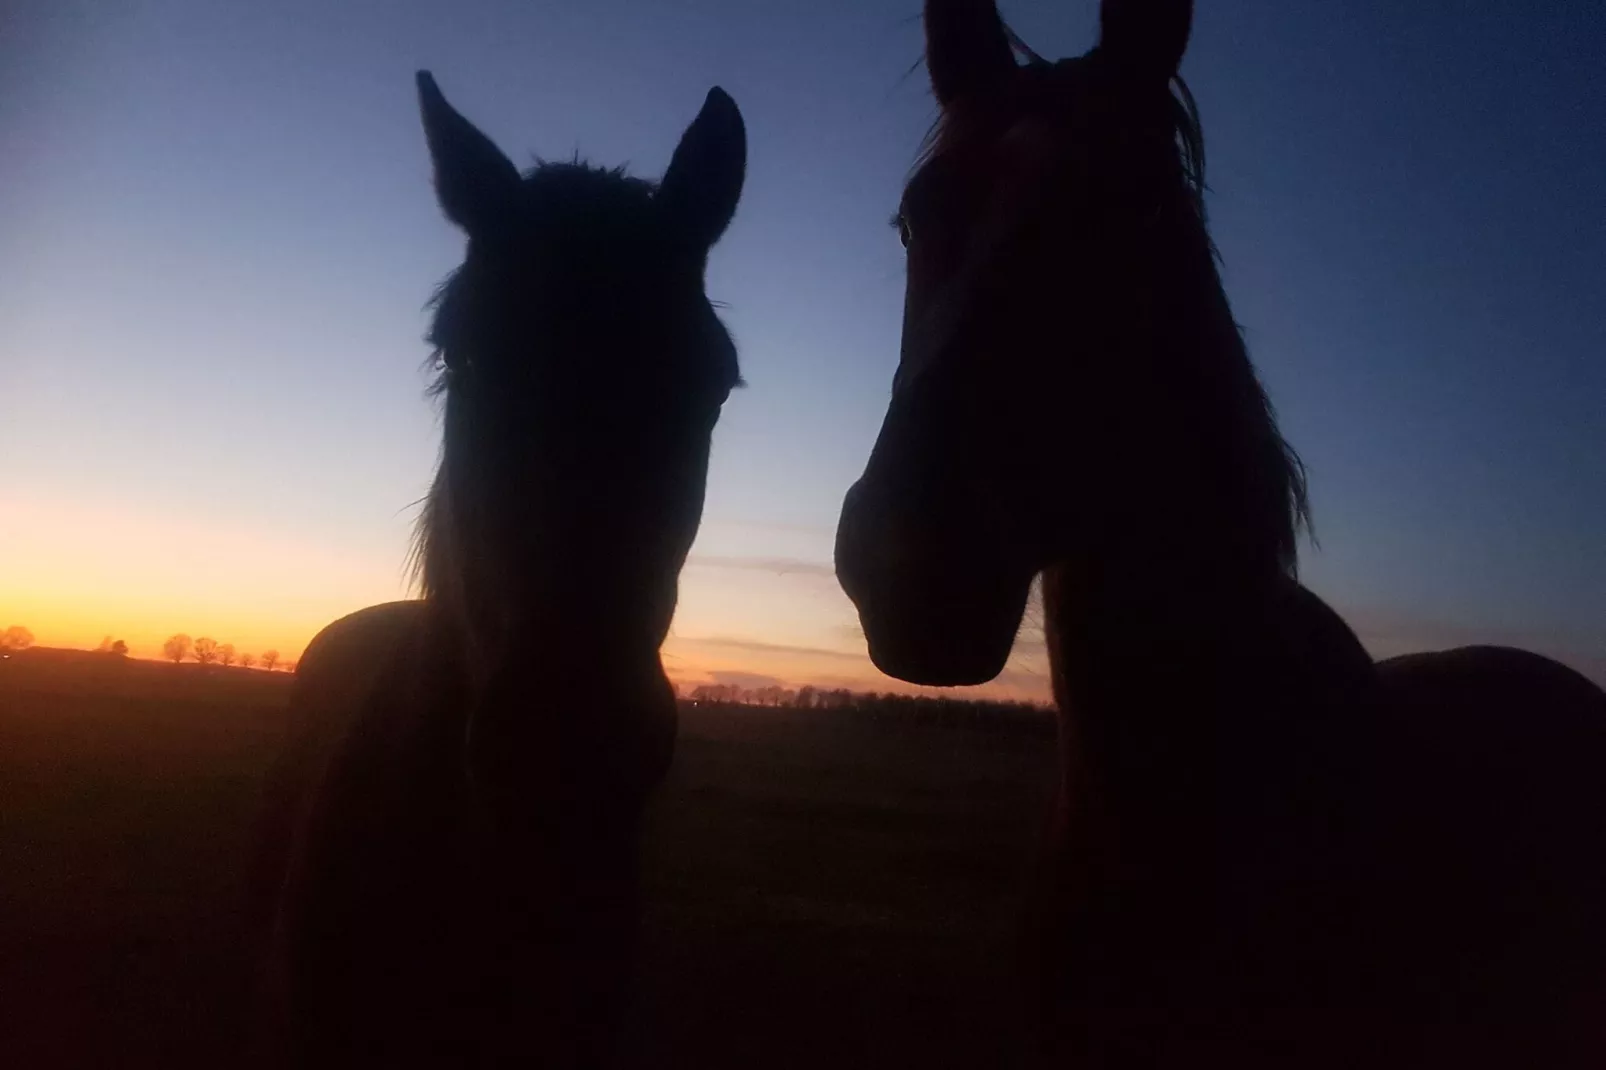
(823, 891)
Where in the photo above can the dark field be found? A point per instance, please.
(824, 891)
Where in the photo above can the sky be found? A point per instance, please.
(217, 236)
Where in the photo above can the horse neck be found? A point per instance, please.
(1177, 636)
(511, 574)
(1135, 653)
(1179, 688)
(557, 643)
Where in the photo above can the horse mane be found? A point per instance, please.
(1274, 499)
(1277, 492)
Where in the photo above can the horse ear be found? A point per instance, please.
(1149, 36)
(967, 48)
(475, 183)
(704, 180)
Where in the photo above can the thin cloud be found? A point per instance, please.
(779, 565)
(853, 633)
(749, 680)
(755, 646)
(1022, 679)
(1390, 631)
(853, 669)
(769, 525)
(1387, 633)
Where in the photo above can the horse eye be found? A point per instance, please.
(900, 223)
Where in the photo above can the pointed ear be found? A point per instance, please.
(967, 48)
(1147, 36)
(705, 176)
(476, 185)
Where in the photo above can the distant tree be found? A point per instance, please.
(119, 649)
(247, 660)
(225, 654)
(16, 638)
(105, 646)
(270, 658)
(205, 650)
(177, 648)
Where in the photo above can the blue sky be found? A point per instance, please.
(217, 236)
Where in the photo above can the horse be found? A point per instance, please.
(1267, 850)
(450, 854)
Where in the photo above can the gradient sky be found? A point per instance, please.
(217, 235)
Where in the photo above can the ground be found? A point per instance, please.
(824, 890)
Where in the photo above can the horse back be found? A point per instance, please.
(338, 673)
(1506, 789)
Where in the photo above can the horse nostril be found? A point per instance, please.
(878, 564)
(849, 551)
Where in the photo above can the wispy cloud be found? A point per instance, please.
(779, 565)
(756, 646)
(852, 633)
(745, 679)
(1386, 633)
(795, 664)
(773, 526)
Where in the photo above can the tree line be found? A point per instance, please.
(879, 706)
(204, 651)
(208, 651)
(17, 638)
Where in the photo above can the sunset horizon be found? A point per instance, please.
(211, 365)
(458, 459)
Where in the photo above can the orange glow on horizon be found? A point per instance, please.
(75, 575)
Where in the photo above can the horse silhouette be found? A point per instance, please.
(1267, 850)
(450, 858)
